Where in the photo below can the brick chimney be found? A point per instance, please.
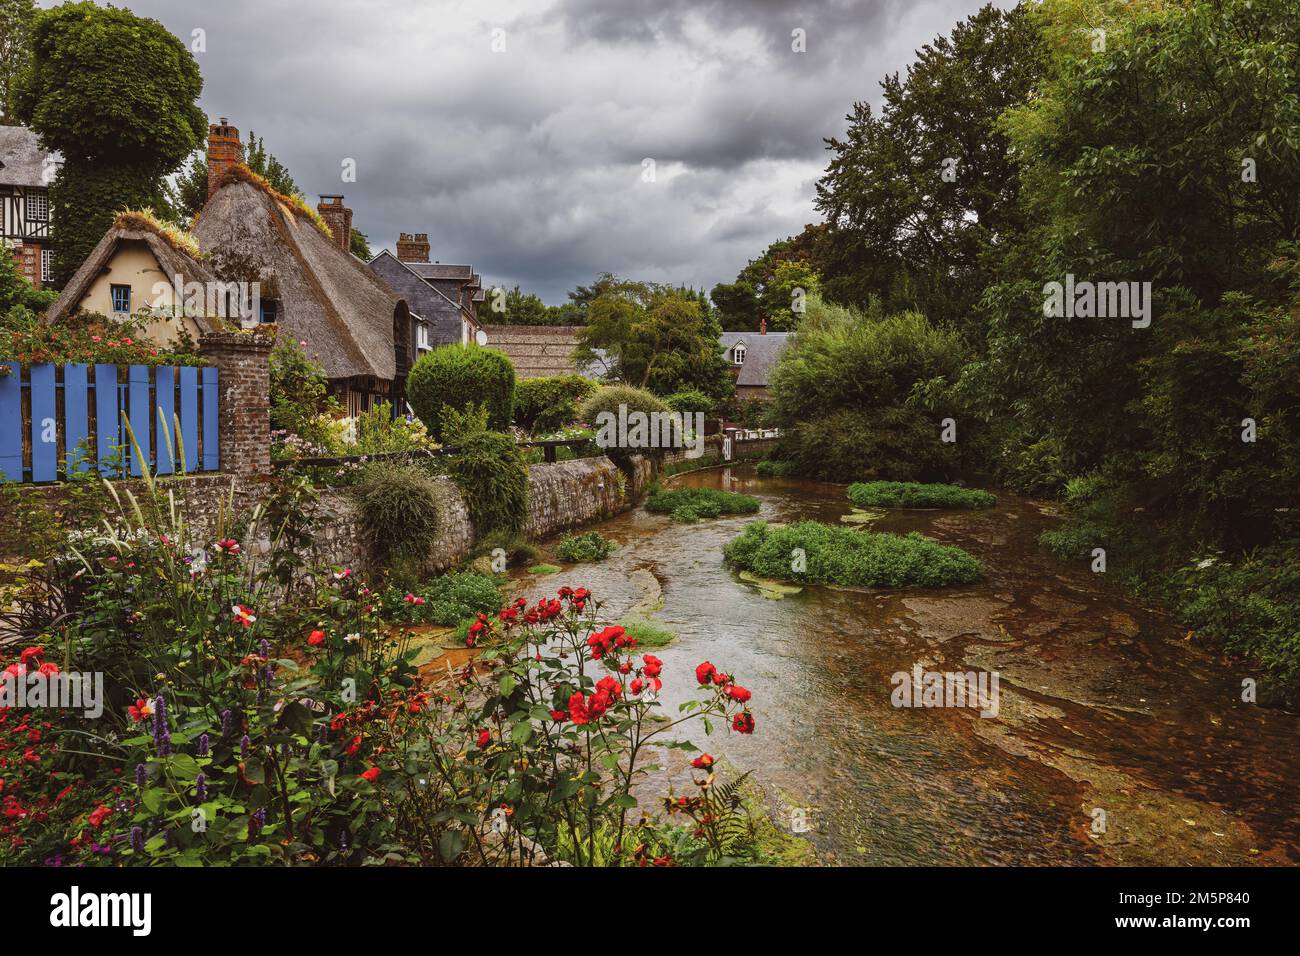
(413, 248)
(339, 218)
(224, 151)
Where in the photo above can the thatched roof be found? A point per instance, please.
(538, 350)
(327, 297)
(167, 249)
(22, 158)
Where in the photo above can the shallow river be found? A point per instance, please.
(1116, 740)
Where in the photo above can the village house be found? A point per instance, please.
(443, 298)
(751, 356)
(25, 173)
(268, 258)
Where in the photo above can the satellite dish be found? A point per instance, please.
(480, 337)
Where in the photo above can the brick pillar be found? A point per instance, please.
(224, 151)
(243, 364)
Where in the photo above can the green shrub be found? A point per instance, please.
(545, 569)
(490, 472)
(834, 555)
(690, 400)
(458, 424)
(609, 397)
(592, 546)
(772, 468)
(910, 494)
(458, 376)
(901, 443)
(399, 507)
(690, 504)
(516, 548)
(550, 402)
(1249, 604)
(448, 600)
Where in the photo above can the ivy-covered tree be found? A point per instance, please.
(15, 34)
(116, 95)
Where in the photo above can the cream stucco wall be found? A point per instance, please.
(134, 264)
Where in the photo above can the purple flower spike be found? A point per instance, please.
(202, 749)
(201, 787)
(141, 775)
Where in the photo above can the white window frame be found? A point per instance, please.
(47, 264)
(38, 199)
(738, 353)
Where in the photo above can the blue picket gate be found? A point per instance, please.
(59, 419)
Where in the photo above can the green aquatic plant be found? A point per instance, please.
(688, 505)
(816, 553)
(914, 494)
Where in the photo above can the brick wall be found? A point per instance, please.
(243, 364)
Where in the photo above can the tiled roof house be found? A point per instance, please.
(751, 356)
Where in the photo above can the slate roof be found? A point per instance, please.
(23, 157)
(761, 352)
(424, 298)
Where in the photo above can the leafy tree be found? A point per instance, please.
(758, 294)
(191, 187)
(15, 33)
(116, 95)
(655, 337)
(520, 308)
(916, 197)
(360, 245)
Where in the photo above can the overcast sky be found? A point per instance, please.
(528, 163)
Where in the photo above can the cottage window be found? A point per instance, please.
(47, 265)
(121, 299)
(738, 354)
(38, 207)
(270, 311)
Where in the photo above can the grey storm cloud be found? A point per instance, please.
(527, 163)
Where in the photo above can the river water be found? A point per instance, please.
(1117, 741)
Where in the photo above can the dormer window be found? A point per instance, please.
(738, 353)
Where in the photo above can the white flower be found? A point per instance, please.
(352, 637)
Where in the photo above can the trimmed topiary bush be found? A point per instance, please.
(459, 376)
(833, 555)
(690, 400)
(490, 471)
(592, 546)
(550, 402)
(399, 507)
(610, 397)
(691, 504)
(911, 494)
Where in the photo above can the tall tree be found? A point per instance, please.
(15, 35)
(916, 196)
(116, 94)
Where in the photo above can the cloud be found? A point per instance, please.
(527, 162)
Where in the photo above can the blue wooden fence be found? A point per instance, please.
(57, 419)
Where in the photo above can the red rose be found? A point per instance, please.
(743, 723)
(704, 673)
(484, 738)
(98, 816)
(609, 687)
(316, 638)
(371, 775)
(578, 709)
(703, 762)
(558, 715)
(736, 692)
(636, 685)
(653, 665)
